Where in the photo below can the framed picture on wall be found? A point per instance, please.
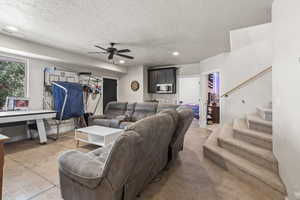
(135, 86)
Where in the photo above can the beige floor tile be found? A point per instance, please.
(68, 141)
(38, 154)
(52, 194)
(48, 170)
(16, 147)
(180, 183)
(20, 183)
(42, 159)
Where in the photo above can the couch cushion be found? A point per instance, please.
(114, 109)
(124, 125)
(121, 159)
(156, 132)
(161, 107)
(143, 110)
(130, 110)
(173, 113)
(81, 168)
(113, 123)
(184, 121)
(101, 153)
(100, 122)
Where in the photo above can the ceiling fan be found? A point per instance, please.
(112, 51)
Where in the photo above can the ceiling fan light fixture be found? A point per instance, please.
(122, 62)
(113, 51)
(175, 53)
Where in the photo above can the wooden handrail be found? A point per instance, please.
(244, 83)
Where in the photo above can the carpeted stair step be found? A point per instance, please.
(264, 113)
(242, 132)
(254, 154)
(263, 179)
(258, 124)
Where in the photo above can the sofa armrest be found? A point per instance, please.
(98, 117)
(81, 168)
(115, 123)
(123, 118)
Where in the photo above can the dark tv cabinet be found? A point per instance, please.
(161, 76)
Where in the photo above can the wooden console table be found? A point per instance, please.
(3, 139)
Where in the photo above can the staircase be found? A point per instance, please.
(244, 148)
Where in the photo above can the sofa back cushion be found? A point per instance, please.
(184, 121)
(130, 110)
(161, 107)
(143, 110)
(173, 114)
(156, 133)
(114, 109)
(122, 159)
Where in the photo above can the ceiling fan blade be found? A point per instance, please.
(96, 52)
(124, 51)
(111, 56)
(100, 47)
(125, 56)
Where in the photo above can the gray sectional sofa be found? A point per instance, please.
(123, 169)
(122, 114)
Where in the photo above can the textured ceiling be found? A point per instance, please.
(152, 29)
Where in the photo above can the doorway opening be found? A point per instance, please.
(213, 98)
(189, 93)
(109, 91)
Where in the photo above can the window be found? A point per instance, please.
(12, 79)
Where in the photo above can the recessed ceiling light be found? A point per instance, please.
(175, 53)
(121, 61)
(11, 29)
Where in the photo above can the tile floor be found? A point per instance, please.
(31, 173)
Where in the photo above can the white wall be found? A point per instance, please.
(236, 67)
(140, 73)
(33, 50)
(34, 79)
(36, 83)
(35, 86)
(243, 37)
(125, 91)
(188, 69)
(286, 93)
(41, 56)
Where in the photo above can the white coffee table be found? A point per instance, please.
(97, 135)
